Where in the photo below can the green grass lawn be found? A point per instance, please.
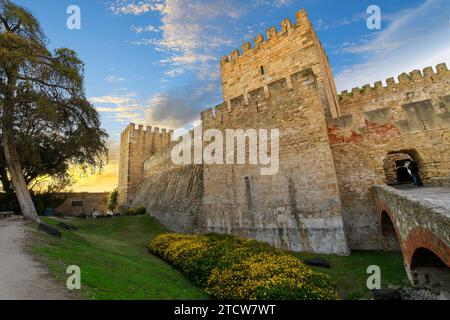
(115, 263)
(114, 260)
(350, 273)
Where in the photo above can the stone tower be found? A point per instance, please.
(283, 83)
(136, 146)
(296, 47)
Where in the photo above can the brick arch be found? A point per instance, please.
(383, 210)
(424, 238)
(387, 225)
(412, 153)
(417, 238)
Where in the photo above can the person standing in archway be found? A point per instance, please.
(414, 171)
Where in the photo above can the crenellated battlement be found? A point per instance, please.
(402, 117)
(258, 100)
(164, 155)
(410, 87)
(272, 34)
(427, 75)
(133, 128)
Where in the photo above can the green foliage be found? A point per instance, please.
(45, 200)
(112, 200)
(136, 211)
(233, 268)
(54, 124)
(20, 21)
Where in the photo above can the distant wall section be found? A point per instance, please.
(409, 117)
(136, 146)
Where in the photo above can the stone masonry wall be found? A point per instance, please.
(296, 47)
(410, 117)
(172, 193)
(136, 146)
(91, 202)
(299, 208)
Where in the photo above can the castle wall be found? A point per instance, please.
(171, 193)
(296, 47)
(297, 209)
(410, 117)
(333, 149)
(136, 146)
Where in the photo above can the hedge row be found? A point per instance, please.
(227, 267)
(136, 211)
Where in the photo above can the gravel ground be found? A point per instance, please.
(22, 277)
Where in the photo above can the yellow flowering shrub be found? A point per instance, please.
(228, 267)
(268, 276)
(172, 246)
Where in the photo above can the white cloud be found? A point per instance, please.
(190, 36)
(414, 39)
(116, 109)
(130, 117)
(321, 24)
(274, 3)
(124, 107)
(142, 29)
(124, 99)
(119, 7)
(179, 107)
(174, 72)
(114, 79)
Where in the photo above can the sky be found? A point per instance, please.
(156, 62)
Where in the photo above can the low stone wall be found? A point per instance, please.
(421, 218)
(78, 204)
(410, 212)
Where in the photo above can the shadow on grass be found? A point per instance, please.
(116, 265)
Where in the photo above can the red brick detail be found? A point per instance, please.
(424, 238)
(417, 238)
(337, 135)
(382, 131)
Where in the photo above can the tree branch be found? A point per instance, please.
(52, 85)
(5, 23)
(16, 27)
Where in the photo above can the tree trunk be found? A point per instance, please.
(12, 157)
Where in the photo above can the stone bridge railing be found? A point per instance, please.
(420, 225)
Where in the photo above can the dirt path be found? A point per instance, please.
(21, 276)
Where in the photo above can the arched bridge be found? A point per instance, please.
(420, 219)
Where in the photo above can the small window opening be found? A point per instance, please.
(262, 70)
(77, 203)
